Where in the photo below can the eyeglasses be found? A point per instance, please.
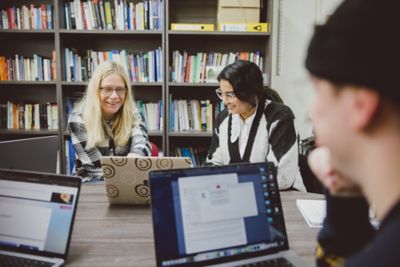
(228, 95)
(107, 91)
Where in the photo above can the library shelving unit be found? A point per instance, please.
(53, 44)
(193, 42)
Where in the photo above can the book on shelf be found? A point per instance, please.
(151, 113)
(212, 73)
(192, 67)
(141, 67)
(20, 68)
(191, 115)
(206, 27)
(29, 116)
(113, 15)
(69, 156)
(32, 17)
(244, 27)
(197, 154)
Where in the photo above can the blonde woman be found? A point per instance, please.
(106, 122)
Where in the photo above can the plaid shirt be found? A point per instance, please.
(87, 164)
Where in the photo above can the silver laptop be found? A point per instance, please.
(127, 179)
(219, 216)
(37, 213)
(31, 154)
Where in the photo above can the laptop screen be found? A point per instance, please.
(12, 158)
(216, 214)
(37, 212)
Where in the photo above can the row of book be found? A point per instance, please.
(193, 115)
(141, 67)
(32, 17)
(20, 68)
(152, 114)
(198, 154)
(29, 116)
(113, 15)
(203, 67)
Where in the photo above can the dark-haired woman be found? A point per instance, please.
(253, 127)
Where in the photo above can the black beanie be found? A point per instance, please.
(359, 45)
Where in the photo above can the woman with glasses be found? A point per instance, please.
(254, 127)
(106, 122)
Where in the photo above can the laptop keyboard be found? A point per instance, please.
(13, 261)
(278, 262)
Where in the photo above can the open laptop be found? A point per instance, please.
(37, 213)
(127, 178)
(219, 216)
(31, 154)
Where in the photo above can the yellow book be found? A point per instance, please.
(244, 27)
(109, 21)
(258, 27)
(192, 27)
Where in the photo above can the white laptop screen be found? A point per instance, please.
(216, 214)
(36, 215)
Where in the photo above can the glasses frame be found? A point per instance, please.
(228, 95)
(121, 91)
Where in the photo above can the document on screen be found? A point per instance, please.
(213, 211)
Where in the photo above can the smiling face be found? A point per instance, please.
(234, 104)
(112, 103)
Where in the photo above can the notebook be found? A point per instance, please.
(127, 179)
(37, 212)
(313, 211)
(11, 156)
(219, 216)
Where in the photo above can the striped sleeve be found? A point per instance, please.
(140, 140)
(283, 145)
(88, 161)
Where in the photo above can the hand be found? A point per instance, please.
(320, 163)
(133, 155)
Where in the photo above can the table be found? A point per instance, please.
(106, 235)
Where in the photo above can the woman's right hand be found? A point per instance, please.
(320, 163)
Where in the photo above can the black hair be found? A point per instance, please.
(247, 82)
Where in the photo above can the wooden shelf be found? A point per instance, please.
(219, 33)
(29, 82)
(113, 32)
(65, 83)
(40, 32)
(27, 132)
(175, 84)
(190, 134)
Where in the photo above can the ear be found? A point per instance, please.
(365, 107)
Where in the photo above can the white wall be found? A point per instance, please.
(292, 29)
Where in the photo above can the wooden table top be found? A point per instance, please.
(106, 235)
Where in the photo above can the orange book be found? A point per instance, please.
(53, 66)
(43, 16)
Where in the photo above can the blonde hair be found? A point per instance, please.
(90, 108)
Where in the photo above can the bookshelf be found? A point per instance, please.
(193, 42)
(64, 36)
